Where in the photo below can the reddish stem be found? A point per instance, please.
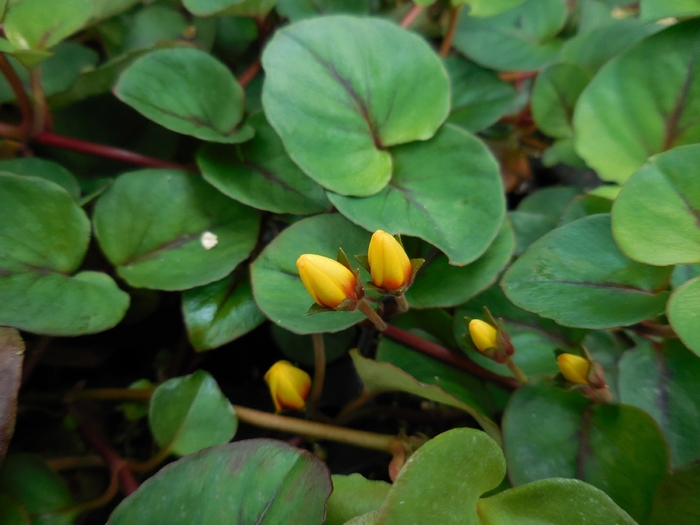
(115, 462)
(20, 93)
(411, 16)
(449, 36)
(249, 74)
(108, 152)
(445, 355)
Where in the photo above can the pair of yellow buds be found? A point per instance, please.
(335, 285)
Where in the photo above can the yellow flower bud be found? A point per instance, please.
(483, 335)
(388, 263)
(289, 386)
(328, 282)
(574, 368)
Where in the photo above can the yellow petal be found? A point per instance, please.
(483, 334)
(388, 262)
(328, 282)
(574, 368)
(289, 386)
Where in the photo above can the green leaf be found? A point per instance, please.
(44, 235)
(577, 276)
(106, 8)
(352, 496)
(479, 97)
(683, 311)
(663, 382)
(169, 230)
(300, 348)
(651, 117)
(554, 96)
(379, 377)
(190, 413)
(40, 25)
(441, 285)
(12, 513)
(296, 10)
(259, 173)
(533, 337)
(45, 169)
(520, 39)
(11, 359)
(136, 410)
(256, 481)
(600, 444)
(657, 9)
(656, 216)
(676, 499)
(41, 492)
(208, 7)
(486, 8)
(460, 212)
(251, 8)
(277, 288)
(583, 206)
(187, 91)
(219, 312)
(683, 273)
(340, 90)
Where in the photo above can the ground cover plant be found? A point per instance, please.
(350, 262)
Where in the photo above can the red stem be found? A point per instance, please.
(445, 355)
(109, 152)
(249, 74)
(20, 93)
(411, 16)
(449, 36)
(115, 462)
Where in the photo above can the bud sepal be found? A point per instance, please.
(582, 373)
(492, 339)
(397, 259)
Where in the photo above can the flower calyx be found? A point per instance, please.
(489, 338)
(289, 386)
(583, 373)
(333, 284)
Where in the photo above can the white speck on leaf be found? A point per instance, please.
(209, 240)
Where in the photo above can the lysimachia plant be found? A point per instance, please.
(350, 262)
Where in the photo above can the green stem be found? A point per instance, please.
(319, 372)
(402, 304)
(373, 316)
(515, 370)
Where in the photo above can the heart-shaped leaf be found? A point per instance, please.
(256, 481)
(578, 276)
(45, 169)
(188, 91)
(460, 211)
(44, 235)
(340, 90)
(170, 230)
(189, 413)
(628, 87)
(684, 313)
(656, 216)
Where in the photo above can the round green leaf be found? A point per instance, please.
(485, 8)
(663, 383)
(259, 173)
(40, 25)
(12, 513)
(277, 288)
(578, 276)
(650, 116)
(170, 230)
(296, 10)
(340, 90)
(44, 235)
(188, 91)
(583, 206)
(676, 500)
(189, 413)
(684, 313)
(441, 285)
(259, 481)
(656, 216)
(460, 210)
(352, 496)
(554, 96)
(656, 9)
(600, 444)
(479, 97)
(683, 273)
(208, 7)
(45, 169)
(520, 39)
(220, 312)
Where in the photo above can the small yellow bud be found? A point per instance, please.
(328, 282)
(389, 265)
(483, 335)
(574, 368)
(289, 386)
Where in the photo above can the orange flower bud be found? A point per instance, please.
(388, 263)
(328, 282)
(289, 386)
(574, 368)
(483, 335)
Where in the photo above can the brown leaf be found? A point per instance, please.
(11, 355)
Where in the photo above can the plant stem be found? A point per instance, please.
(250, 73)
(352, 406)
(360, 438)
(451, 28)
(40, 105)
(401, 304)
(20, 94)
(110, 394)
(8, 131)
(100, 501)
(411, 16)
(75, 462)
(319, 372)
(515, 370)
(445, 355)
(150, 464)
(108, 152)
(373, 316)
